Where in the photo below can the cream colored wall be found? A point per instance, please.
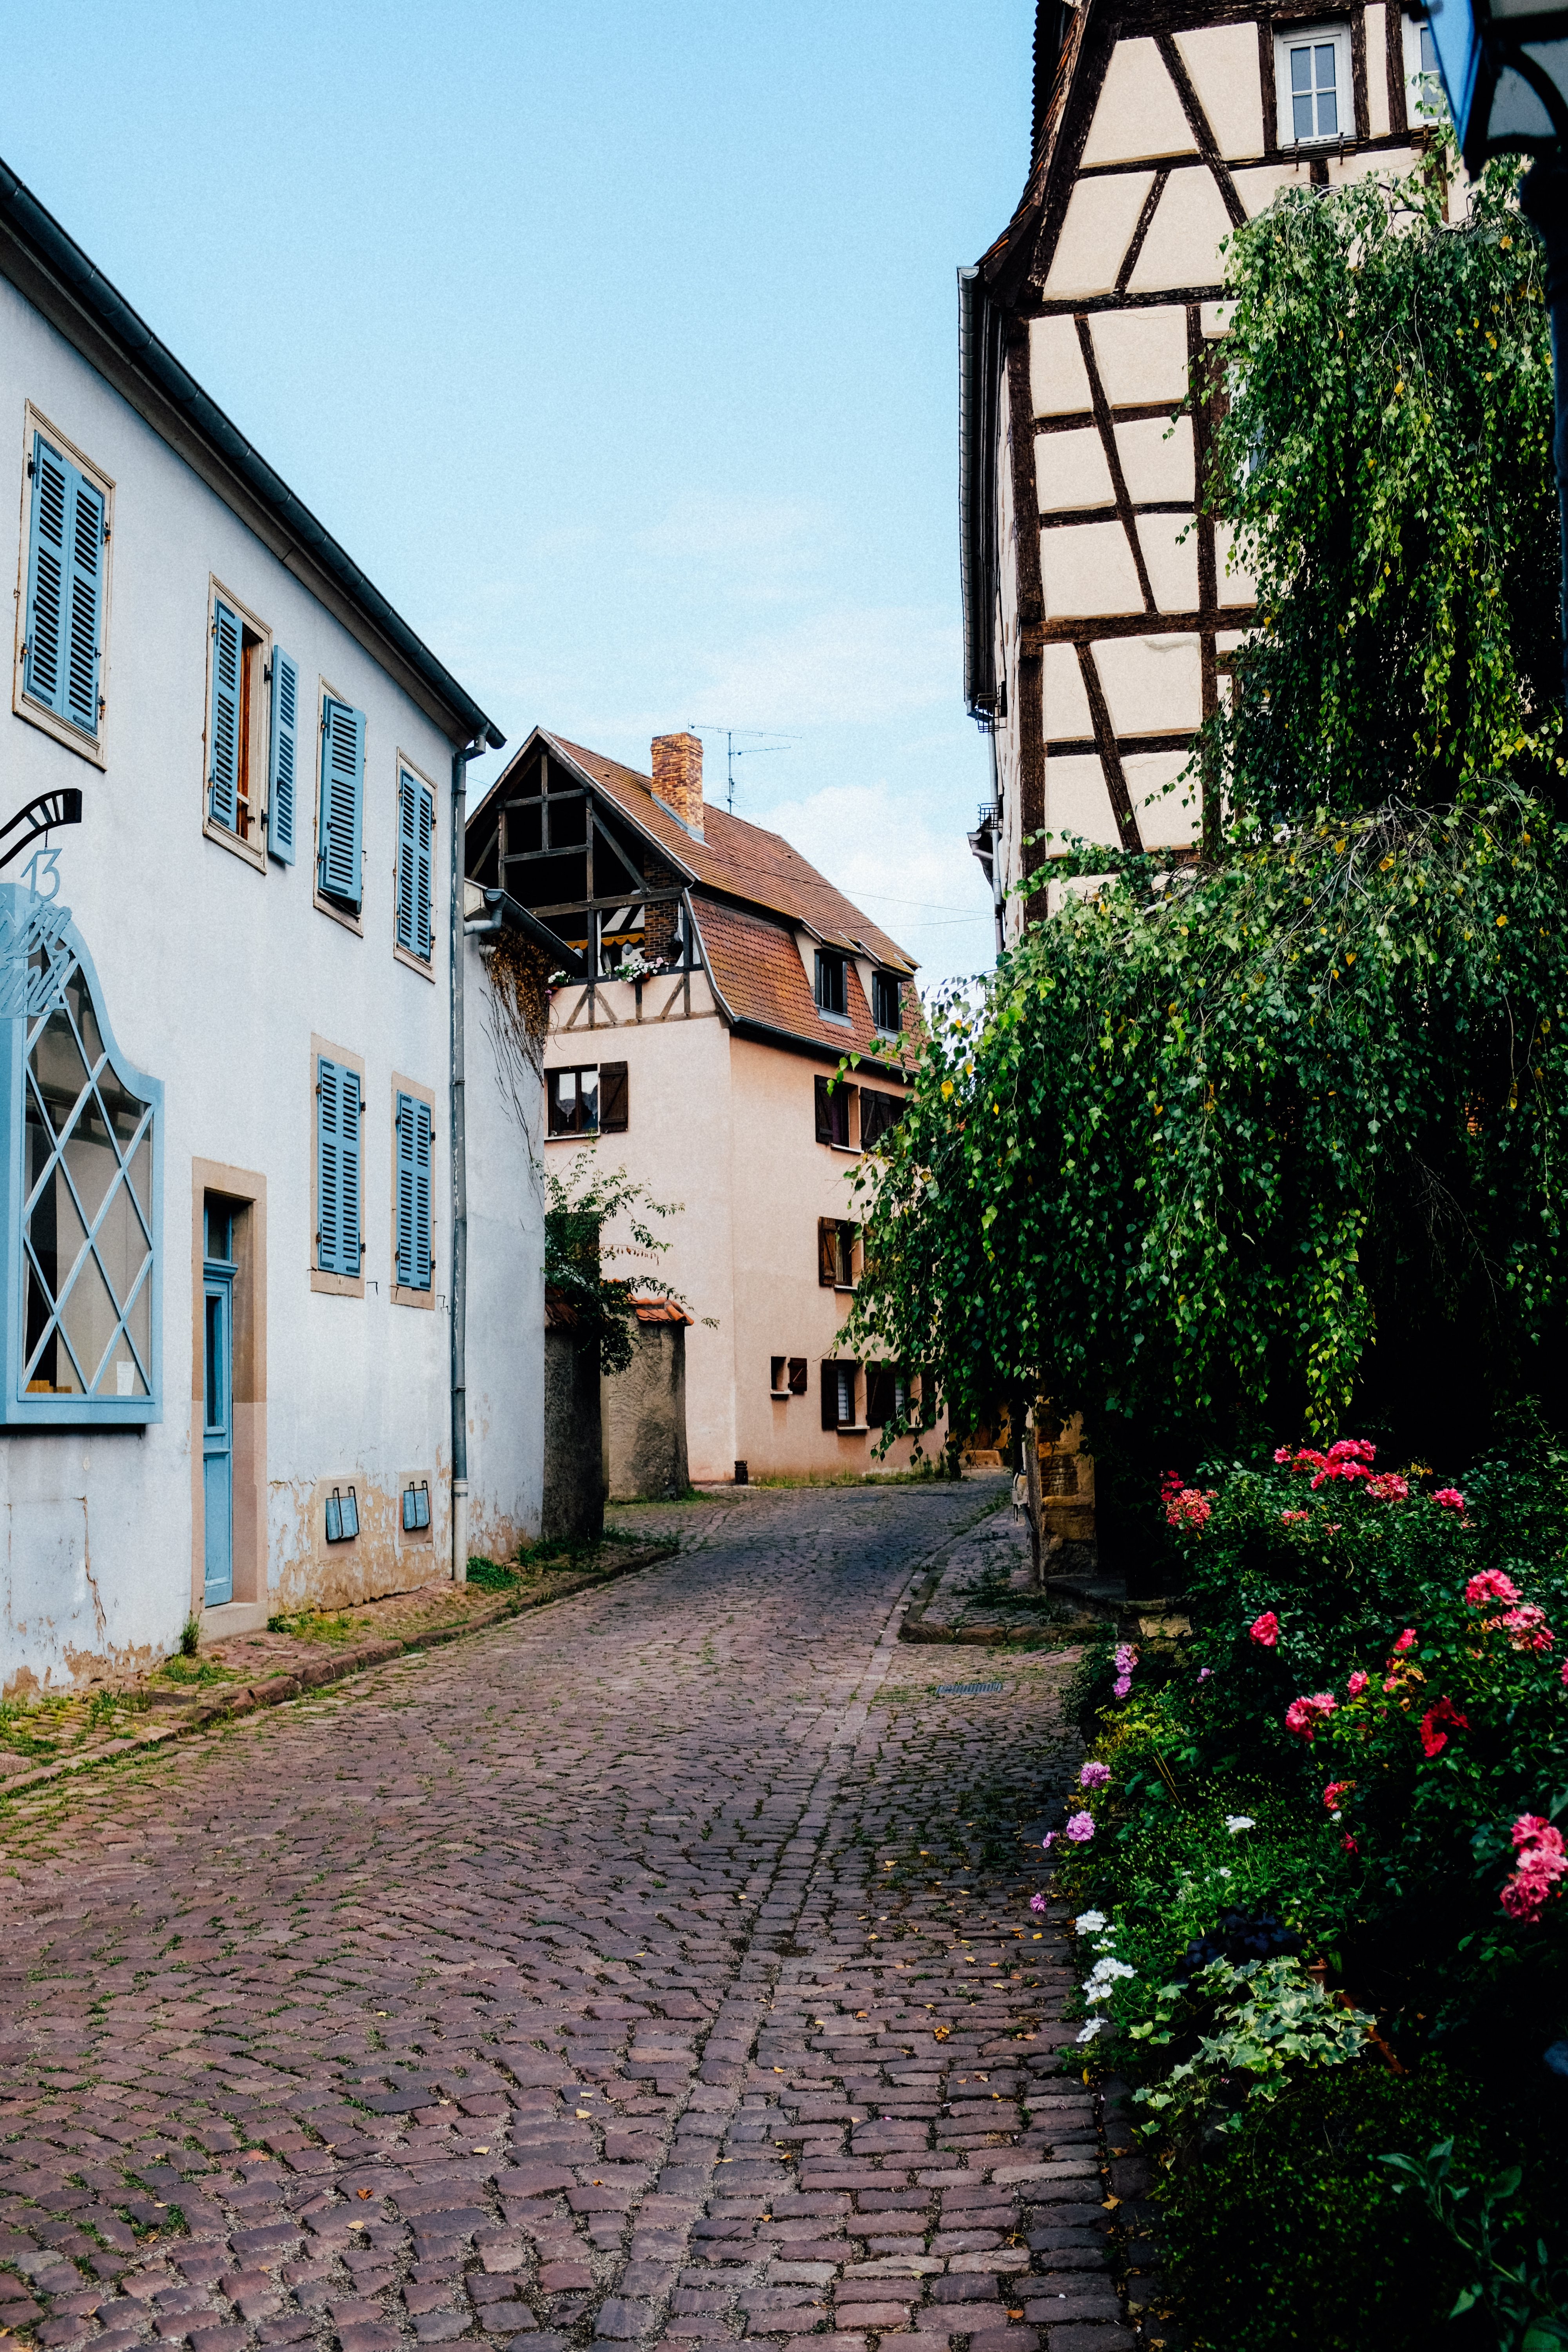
(679, 1143)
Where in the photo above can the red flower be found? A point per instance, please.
(1334, 1791)
(1265, 1630)
(1349, 1844)
(1304, 1715)
(1406, 1641)
(1490, 1585)
(1432, 1739)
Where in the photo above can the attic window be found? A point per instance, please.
(832, 983)
(885, 1009)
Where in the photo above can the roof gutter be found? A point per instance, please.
(503, 913)
(979, 356)
(61, 259)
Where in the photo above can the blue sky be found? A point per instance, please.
(618, 343)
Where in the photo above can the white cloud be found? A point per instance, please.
(910, 870)
(839, 668)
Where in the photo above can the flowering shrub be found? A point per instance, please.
(1304, 1715)
(1541, 1862)
(1269, 2014)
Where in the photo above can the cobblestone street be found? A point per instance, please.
(657, 1968)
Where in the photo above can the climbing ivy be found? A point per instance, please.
(1281, 1132)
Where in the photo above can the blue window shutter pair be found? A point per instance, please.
(337, 1168)
(414, 1139)
(65, 590)
(342, 800)
(415, 852)
(223, 779)
(285, 731)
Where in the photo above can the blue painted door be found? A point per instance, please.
(217, 1433)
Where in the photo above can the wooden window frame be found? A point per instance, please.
(1289, 35)
(828, 960)
(334, 1286)
(94, 748)
(880, 979)
(256, 738)
(398, 1293)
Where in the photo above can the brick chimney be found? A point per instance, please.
(678, 778)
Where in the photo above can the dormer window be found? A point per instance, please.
(832, 984)
(1312, 79)
(885, 1005)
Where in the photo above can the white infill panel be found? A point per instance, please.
(1384, 164)
(1154, 686)
(1222, 60)
(1156, 456)
(1070, 471)
(1169, 812)
(1258, 187)
(1170, 544)
(1377, 122)
(1215, 319)
(1076, 802)
(1138, 117)
(1058, 381)
(1065, 713)
(1087, 569)
(1182, 247)
(1101, 215)
(1142, 355)
(1236, 586)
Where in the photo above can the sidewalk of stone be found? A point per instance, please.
(984, 1595)
(304, 1652)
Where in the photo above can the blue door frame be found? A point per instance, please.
(217, 1413)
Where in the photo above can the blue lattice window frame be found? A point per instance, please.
(81, 1205)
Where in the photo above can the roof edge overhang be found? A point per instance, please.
(817, 1049)
(52, 272)
(503, 913)
(557, 751)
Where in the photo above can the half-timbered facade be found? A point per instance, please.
(710, 982)
(1101, 605)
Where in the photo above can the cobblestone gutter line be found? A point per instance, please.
(317, 1674)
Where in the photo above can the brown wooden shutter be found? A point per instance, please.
(827, 1252)
(878, 1395)
(829, 1393)
(824, 1112)
(851, 1096)
(612, 1097)
(797, 1375)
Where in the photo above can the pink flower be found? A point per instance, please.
(1565, 1673)
(1527, 1628)
(1094, 1776)
(1490, 1585)
(1120, 1686)
(1541, 1862)
(1126, 1657)
(1347, 1458)
(1080, 1828)
(1433, 1740)
(1205, 1672)
(1349, 1844)
(1356, 1683)
(1049, 1840)
(1333, 1792)
(1265, 1630)
(1388, 1487)
(1408, 1640)
(1293, 1519)
(1450, 1499)
(1283, 1454)
(1036, 1904)
(1186, 1507)
(1304, 1715)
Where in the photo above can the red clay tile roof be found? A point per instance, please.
(743, 860)
(659, 1310)
(757, 970)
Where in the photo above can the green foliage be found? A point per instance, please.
(1523, 2290)
(1270, 2016)
(579, 1207)
(189, 1636)
(1384, 459)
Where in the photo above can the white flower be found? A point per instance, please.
(1224, 1873)
(1096, 2025)
(1235, 1823)
(1089, 1923)
(1103, 1975)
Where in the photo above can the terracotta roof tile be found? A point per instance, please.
(743, 860)
(758, 971)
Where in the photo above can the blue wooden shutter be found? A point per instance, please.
(422, 1155)
(280, 782)
(414, 1154)
(425, 850)
(224, 772)
(342, 795)
(329, 1166)
(44, 672)
(349, 1194)
(85, 605)
(409, 936)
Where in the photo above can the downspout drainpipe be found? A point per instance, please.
(458, 1118)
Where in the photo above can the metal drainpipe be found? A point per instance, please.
(460, 1179)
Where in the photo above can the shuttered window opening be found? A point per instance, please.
(838, 1379)
(832, 983)
(413, 1156)
(341, 804)
(834, 1102)
(835, 1239)
(878, 1112)
(887, 1395)
(338, 1113)
(886, 1010)
(787, 1376)
(416, 855)
(284, 754)
(67, 534)
(588, 1101)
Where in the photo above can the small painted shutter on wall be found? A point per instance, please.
(329, 1166)
(407, 853)
(423, 871)
(223, 767)
(342, 800)
(829, 1393)
(65, 590)
(827, 1252)
(413, 1155)
(281, 788)
(824, 1112)
(613, 1094)
(348, 1193)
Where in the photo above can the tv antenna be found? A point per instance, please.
(747, 752)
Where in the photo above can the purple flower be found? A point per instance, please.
(1049, 1840)
(1204, 1673)
(1120, 1686)
(1094, 1776)
(1036, 1903)
(1126, 1657)
(1080, 1828)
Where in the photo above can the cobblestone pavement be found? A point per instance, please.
(656, 1969)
